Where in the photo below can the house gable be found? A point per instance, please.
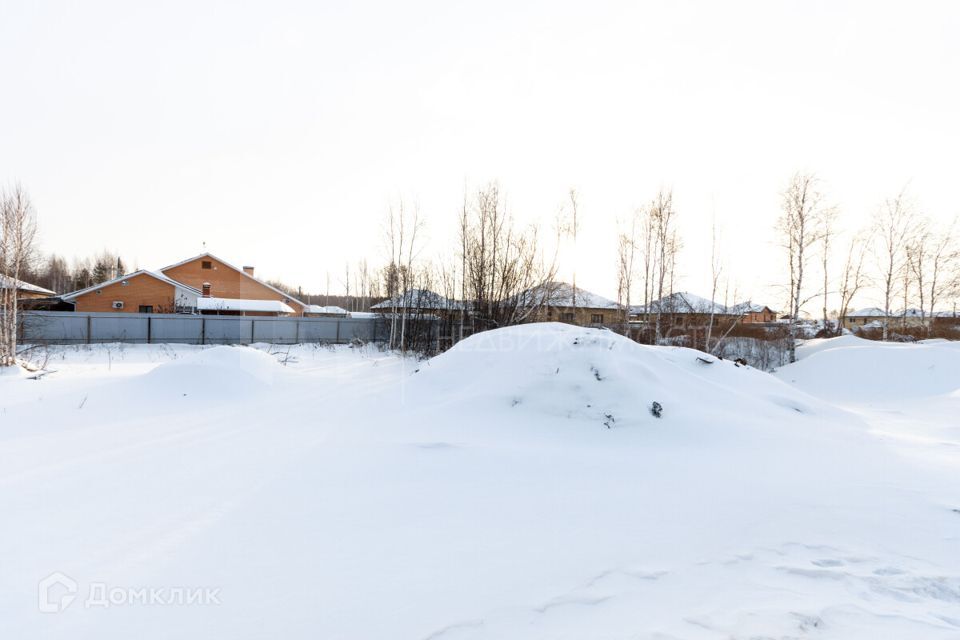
(226, 281)
(133, 291)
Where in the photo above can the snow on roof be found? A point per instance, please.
(869, 312)
(207, 254)
(876, 312)
(685, 302)
(239, 304)
(7, 282)
(561, 294)
(329, 310)
(748, 307)
(141, 272)
(418, 299)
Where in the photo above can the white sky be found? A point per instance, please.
(279, 132)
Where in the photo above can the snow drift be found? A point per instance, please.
(561, 371)
(482, 497)
(854, 370)
(221, 378)
(222, 370)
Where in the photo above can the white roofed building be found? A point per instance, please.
(201, 284)
(318, 311)
(560, 302)
(243, 307)
(25, 290)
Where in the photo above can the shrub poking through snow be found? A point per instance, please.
(656, 409)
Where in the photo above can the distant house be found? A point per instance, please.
(552, 302)
(419, 302)
(683, 309)
(229, 282)
(751, 313)
(138, 292)
(559, 302)
(203, 284)
(317, 311)
(873, 318)
(242, 307)
(25, 290)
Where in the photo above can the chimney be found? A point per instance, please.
(206, 289)
(248, 271)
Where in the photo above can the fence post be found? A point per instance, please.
(149, 329)
(88, 328)
(296, 339)
(253, 324)
(203, 330)
(338, 331)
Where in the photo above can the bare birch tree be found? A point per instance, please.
(626, 257)
(929, 254)
(402, 234)
(853, 277)
(826, 240)
(892, 228)
(664, 248)
(801, 226)
(508, 278)
(716, 269)
(18, 229)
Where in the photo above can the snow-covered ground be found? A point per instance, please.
(518, 486)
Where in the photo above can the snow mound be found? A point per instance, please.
(816, 345)
(571, 372)
(851, 369)
(217, 372)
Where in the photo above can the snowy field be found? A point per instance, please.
(517, 486)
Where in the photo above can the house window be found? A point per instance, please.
(566, 317)
(596, 318)
(206, 264)
(146, 308)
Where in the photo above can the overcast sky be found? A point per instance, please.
(279, 132)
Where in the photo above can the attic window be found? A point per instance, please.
(125, 283)
(206, 264)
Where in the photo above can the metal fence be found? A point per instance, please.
(69, 327)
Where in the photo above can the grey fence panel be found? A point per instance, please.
(351, 329)
(179, 329)
(68, 327)
(276, 330)
(227, 330)
(60, 328)
(319, 330)
(118, 328)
